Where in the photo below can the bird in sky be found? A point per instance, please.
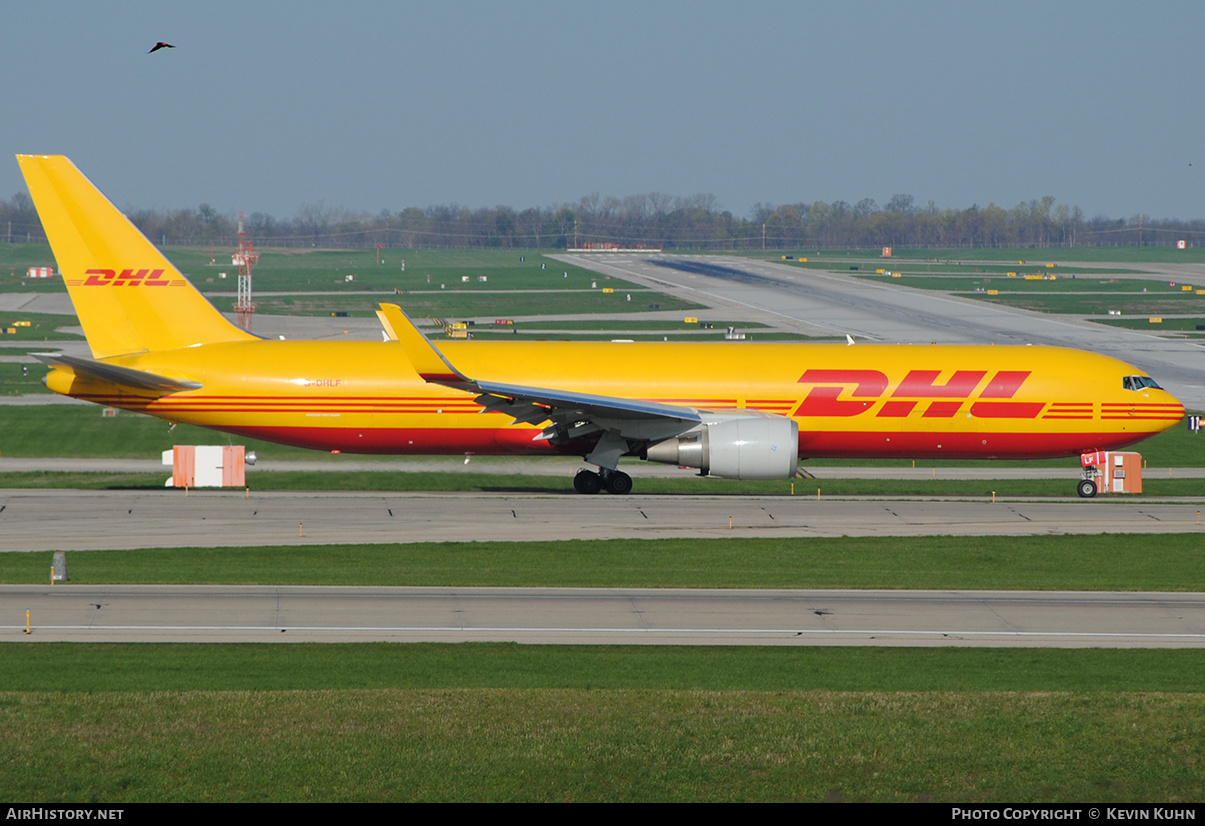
(161, 45)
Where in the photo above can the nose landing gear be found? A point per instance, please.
(1088, 485)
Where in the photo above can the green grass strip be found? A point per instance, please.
(67, 667)
(1168, 562)
(1192, 323)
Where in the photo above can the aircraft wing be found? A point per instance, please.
(570, 415)
(124, 376)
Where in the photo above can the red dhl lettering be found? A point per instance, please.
(920, 384)
(868, 387)
(125, 278)
(1004, 384)
(823, 401)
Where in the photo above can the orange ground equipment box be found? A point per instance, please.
(1110, 471)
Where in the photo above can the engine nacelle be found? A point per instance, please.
(744, 445)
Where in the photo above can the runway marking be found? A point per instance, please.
(428, 629)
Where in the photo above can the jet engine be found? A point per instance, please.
(734, 445)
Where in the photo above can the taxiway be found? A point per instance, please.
(124, 613)
(40, 520)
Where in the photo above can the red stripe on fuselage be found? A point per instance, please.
(863, 445)
(814, 445)
(416, 441)
(919, 384)
(1007, 410)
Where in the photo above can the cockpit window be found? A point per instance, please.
(1139, 383)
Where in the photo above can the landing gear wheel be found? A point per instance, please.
(587, 481)
(619, 483)
(1086, 488)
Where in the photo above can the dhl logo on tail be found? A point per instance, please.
(126, 278)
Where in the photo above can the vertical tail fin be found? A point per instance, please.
(129, 298)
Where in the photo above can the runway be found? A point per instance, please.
(40, 520)
(602, 616)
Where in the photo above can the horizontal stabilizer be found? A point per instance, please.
(124, 376)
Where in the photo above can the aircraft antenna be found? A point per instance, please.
(244, 259)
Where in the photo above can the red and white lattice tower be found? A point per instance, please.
(244, 259)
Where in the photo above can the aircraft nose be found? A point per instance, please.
(1171, 399)
(1173, 409)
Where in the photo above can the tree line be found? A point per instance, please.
(652, 220)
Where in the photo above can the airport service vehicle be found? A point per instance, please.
(737, 410)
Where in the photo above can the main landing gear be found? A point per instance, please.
(615, 481)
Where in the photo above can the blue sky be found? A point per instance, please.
(370, 105)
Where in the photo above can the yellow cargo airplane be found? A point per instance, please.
(741, 411)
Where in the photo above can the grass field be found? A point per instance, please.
(80, 430)
(492, 722)
(300, 270)
(493, 334)
(635, 329)
(329, 264)
(432, 283)
(105, 667)
(1172, 562)
(464, 304)
(955, 270)
(42, 327)
(1144, 305)
(20, 379)
(16, 259)
(1062, 296)
(326, 270)
(15, 378)
(636, 325)
(1192, 323)
(577, 745)
(1037, 256)
(1021, 287)
(1080, 296)
(1032, 256)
